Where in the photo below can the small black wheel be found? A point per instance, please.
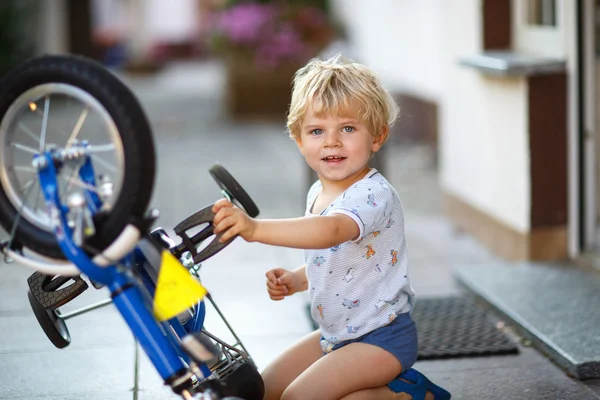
(234, 190)
(52, 324)
(57, 101)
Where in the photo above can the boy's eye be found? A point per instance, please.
(348, 129)
(316, 132)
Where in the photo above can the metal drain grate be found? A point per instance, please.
(451, 327)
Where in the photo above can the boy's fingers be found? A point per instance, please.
(220, 216)
(222, 223)
(271, 276)
(279, 288)
(229, 233)
(219, 204)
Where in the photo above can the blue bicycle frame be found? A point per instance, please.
(160, 341)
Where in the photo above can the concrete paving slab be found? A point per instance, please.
(564, 326)
(514, 382)
(60, 373)
(103, 329)
(594, 386)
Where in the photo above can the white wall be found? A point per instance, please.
(400, 39)
(416, 45)
(484, 142)
(51, 36)
(541, 40)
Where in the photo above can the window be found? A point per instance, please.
(541, 12)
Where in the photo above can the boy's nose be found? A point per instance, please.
(332, 140)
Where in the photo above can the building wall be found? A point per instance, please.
(400, 39)
(484, 138)
(415, 45)
(51, 35)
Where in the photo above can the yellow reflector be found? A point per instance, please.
(176, 289)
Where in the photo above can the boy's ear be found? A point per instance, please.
(380, 140)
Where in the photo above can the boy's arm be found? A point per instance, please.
(316, 232)
(300, 272)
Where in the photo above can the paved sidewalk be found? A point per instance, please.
(192, 132)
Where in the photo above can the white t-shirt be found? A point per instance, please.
(360, 285)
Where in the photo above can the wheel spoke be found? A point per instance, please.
(68, 184)
(27, 184)
(78, 182)
(77, 127)
(18, 217)
(24, 148)
(25, 169)
(110, 167)
(101, 148)
(44, 123)
(29, 132)
(57, 129)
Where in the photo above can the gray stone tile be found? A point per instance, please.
(59, 374)
(239, 291)
(564, 326)
(13, 287)
(99, 329)
(593, 385)
(150, 384)
(533, 382)
(121, 395)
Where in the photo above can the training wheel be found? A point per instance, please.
(53, 325)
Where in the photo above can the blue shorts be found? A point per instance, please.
(398, 337)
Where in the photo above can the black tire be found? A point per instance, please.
(53, 326)
(133, 129)
(233, 189)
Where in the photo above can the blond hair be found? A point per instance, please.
(335, 86)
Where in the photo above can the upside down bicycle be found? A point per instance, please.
(77, 167)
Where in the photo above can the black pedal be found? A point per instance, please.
(48, 292)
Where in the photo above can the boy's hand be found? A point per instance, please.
(281, 283)
(233, 221)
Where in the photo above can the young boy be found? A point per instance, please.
(353, 235)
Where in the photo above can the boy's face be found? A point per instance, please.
(337, 147)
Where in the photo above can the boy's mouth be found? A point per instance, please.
(333, 158)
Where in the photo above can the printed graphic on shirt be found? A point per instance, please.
(320, 260)
(335, 248)
(380, 303)
(389, 223)
(370, 251)
(351, 303)
(320, 308)
(350, 275)
(326, 346)
(353, 329)
(394, 254)
(371, 200)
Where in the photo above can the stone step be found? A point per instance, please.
(555, 305)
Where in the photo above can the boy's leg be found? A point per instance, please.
(352, 368)
(281, 372)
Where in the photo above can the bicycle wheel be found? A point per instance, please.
(56, 101)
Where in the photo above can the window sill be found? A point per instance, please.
(510, 63)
